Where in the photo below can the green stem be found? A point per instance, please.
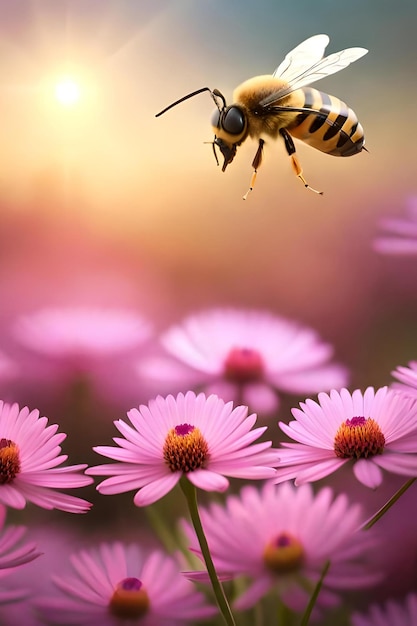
(258, 614)
(284, 615)
(367, 525)
(190, 493)
(314, 596)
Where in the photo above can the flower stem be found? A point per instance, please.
(314, 596)
(377, 516)
(190, 493)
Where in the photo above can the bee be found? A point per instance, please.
(282, 105)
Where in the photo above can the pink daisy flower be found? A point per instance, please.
(94, 346)
(401, 233)
(371, 431)
(29, 458)
(245, 356)
(56, 543)
(191, 435)
(117, 584)
(12, 552)
(408, 379)
(81, 332)
(390, 614)
(281, 538)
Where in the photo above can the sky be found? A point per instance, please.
(103, 187)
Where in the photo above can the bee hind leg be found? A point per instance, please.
(290, 147)
(255, 164)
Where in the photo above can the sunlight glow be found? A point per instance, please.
(67, 92)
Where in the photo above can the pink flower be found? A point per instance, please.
(391, 614)
(408, 379)
(245, 356)
(201, 438)
(55, 543)
(117, 584)
(29, 458)
(371, 431)
(13, 553)
(401, 237)
(92, 346)
(83, 332)
(281, 538)
(8, 369)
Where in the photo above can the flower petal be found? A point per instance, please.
(368, 473)
(209, 481)
(155, 490)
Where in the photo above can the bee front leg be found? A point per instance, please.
(255, 164)
(290, 147)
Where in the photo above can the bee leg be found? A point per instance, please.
(290, 147)
(255, 164)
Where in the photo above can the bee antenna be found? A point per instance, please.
(213, 94)
(219, 94)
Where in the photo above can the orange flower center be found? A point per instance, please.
(129, 600)
(185, 449)
(9, 461)
(358, 438)
(284, 554)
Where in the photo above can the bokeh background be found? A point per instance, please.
(103, 204)
(103, 201)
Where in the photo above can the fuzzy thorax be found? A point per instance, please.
(250, 93)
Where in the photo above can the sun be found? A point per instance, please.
(67, 91)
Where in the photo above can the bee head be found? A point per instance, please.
(227, 150)
(230, 128)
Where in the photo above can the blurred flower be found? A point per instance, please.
(81, 332)
(245, 356)
(401, 237)
(12, 552)
(408, 379)
(199, 437)
(371, 430)
(117, 584)
(8, 368)
(11, 594)
(281, 538)
(9, 376)
(29, 456)
(55, 543)
(390, 614)
(87, 347)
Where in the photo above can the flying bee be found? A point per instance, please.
(282, 105)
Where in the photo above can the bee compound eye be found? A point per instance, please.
(233, 121)
(215, 119)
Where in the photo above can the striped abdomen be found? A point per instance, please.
(335, 130)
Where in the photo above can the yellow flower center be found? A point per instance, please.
(9, 461)
(185, 449)
(284, 554)
(243, 365)
(129, 600)
(358, 438)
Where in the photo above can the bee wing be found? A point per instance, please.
(302, 58)
(301, 69)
